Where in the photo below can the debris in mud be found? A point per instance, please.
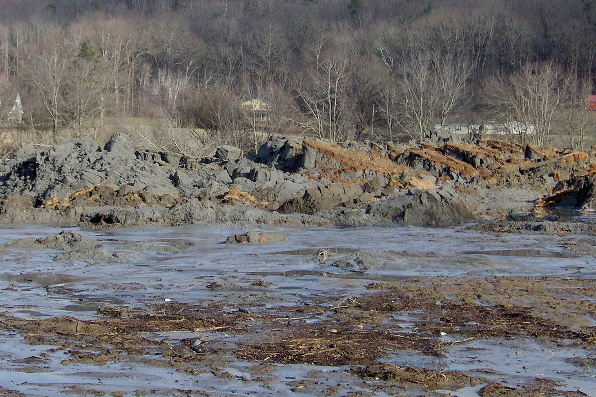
(116, 311)
(223, 285)
(322, 255)
(321, 346)
(46, 280)
(540, 387)
(10, 393)
(331, 331)
(429, 379)
(583, 362)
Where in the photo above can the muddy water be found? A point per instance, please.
(266, 282)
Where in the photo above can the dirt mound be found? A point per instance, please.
(540, 387)
(431, 379)
(63, 241)
(543, 225)
(79, 165)
(293, 181)
(74, 245)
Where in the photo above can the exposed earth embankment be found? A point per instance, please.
(301, 182)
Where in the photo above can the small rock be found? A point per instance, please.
(256, 237)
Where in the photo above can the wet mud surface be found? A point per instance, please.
(321, 312)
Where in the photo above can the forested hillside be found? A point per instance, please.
(338, 69)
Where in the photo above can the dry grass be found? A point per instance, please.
(431, 154)
(474, 150)
(105, 195)
(236, 196)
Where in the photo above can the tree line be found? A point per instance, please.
(337, 69)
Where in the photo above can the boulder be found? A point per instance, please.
(323, 197)
(227, 153)
(576, 193)
(282, 153)
(416, 207)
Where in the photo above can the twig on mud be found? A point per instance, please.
(342, 305)
(209, 329)
(463, 340)
(290, 318)
(443, 345)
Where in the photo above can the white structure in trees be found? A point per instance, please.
(508, 128)
(257, 109)
(15, 115)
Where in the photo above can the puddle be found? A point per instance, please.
(519, 360)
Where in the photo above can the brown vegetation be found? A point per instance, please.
(104, 195)
(235, 196)
(356, 331)
(355, 160)
(335, 69)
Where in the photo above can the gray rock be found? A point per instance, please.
(435, 208)
(281, 153)
(121, 146)
(181, 180)
(577, 193)
(223, 177)
(323, 197)
(309, 159)
(227, 153)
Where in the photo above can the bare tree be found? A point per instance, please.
(85, 91)
(389, 108)
(573, 109)
(46, 67)
(528, 100)
(322, 92)
(118, 42)
(432, 87)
